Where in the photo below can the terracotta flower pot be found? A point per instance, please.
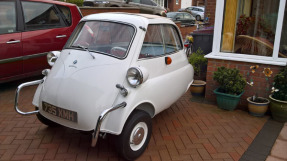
(258, 108)
(197, 88)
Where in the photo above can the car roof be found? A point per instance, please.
(133, 18)
(53, 2)
(198, 7)
(179, 12)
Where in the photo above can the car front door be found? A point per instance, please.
(162, 56)
(179, 17)
(194, 11)
(45, 31)
(10, 41)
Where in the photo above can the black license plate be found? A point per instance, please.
(60, 112)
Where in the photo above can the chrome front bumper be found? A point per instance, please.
(18, 93)
(100, 119)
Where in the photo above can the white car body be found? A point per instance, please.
(86, 85)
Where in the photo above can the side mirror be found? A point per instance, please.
(177, 18)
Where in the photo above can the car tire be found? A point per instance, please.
(46, 121)
(133, 140)
(198, 18)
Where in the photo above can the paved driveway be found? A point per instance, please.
(186, 131)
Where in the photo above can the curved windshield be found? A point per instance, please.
(107, 38)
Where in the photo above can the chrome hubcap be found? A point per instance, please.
(138, 136)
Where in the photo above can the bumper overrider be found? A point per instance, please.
(101, 118)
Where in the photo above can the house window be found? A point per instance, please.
(283, 42)
(251, 31)
(249, 26)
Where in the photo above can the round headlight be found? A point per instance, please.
(134, 77)
(52, 57)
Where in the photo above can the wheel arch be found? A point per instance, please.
(147, 107)
(122, 117)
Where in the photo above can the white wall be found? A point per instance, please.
(185, 3)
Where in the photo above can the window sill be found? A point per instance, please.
(260, 61)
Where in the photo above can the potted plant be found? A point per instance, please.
(231, 87)
(258, 106)
(199, 63)
(278, 98)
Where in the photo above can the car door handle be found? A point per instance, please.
(61, 36)
(13, 41)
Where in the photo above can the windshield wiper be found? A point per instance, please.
(86, 49)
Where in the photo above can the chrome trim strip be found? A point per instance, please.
(101, 119)
(10, 60)
(18, 93)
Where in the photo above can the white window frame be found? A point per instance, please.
(216, 54)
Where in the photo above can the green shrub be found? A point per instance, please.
(230, 80)
(198, 61)
(280, 83)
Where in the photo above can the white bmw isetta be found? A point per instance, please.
(114, 74)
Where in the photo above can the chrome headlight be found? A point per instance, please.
(52, 56)
(134, 76)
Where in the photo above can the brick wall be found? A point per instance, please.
(210, 6)
(172, 6)
(198, 2)
(259, 79)
(185, 30)
(91, 10)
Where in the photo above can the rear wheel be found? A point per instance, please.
(135, 136)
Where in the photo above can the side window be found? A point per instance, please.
(187, 16)
(7, 17)
(171, 39)
(157, 44)
(66, 14)
(40, 16)
(146, 2)
(136, 1)
(153, 42)
(153, 3)
(180, 16)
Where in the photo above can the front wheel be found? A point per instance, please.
(135, 136)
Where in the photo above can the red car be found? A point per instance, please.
(29, 29)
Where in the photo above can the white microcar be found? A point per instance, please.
(115, 73)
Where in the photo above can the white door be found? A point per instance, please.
(161, 45)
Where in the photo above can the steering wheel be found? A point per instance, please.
(118, 51)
